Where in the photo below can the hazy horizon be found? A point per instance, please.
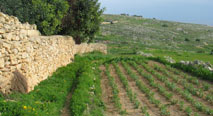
(188, 11)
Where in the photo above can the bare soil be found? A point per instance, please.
(107, 95)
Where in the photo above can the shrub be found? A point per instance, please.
(165, 25)
(211, 53)
(201, 51)
(83, 20)
(46, 14)
(186, 39)
(198, 40)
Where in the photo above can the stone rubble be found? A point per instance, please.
(144, 54)
(27, 58)
(195, 63)
(169, 59)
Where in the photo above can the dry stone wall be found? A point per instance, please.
(27, 58)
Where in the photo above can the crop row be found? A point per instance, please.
(132, 96)
(149, 94)
(191, 79)
(190, 87)
(169, 96)
(185, 93)
(115, 90)
(86, 98)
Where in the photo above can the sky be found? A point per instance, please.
(190, 11)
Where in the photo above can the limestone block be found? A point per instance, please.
(6, 45)
(2, 31)
(1, 62)
(7, 36)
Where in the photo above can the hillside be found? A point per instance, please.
(179, 40)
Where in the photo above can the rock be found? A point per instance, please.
(169, 59)
(179, 29)
(2, 31)
(199, 63)
(144, 54)
(7, 36)
(1, 62)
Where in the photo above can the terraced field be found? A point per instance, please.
(149, 88)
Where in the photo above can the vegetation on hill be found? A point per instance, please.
(161, 38)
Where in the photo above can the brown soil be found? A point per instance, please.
(176, 95)
(127, 105)
(152, 110)
(66, 110)
(173, 109)
(107, 95)
(202, 100)
(202, 82)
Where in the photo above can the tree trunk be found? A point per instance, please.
(77, 40)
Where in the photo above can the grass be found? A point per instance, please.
(161, 38)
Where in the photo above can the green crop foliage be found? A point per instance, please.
(131, 95)
(115, 90)
(185, 93)
(86, 99)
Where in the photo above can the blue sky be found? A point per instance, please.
(192, 11)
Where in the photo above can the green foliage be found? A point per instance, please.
(198, 40)
(46, 99)
(46, 14)
(196, 71)
(82, 20)
(18, 8)
(115, 90)
(165, 25)
(186, 39)
(86, 99)
(124, 80)
(211, 52)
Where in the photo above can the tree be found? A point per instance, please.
(83, 20)
(46, 14)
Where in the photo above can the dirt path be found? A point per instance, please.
(107, 95)
(127, 105)
(152, 110)
(66, 110)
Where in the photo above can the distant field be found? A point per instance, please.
(182, 41)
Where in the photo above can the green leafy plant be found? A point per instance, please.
(82, 20)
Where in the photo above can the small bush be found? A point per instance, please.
(186, 39)
(211, 53)
(198, 40)
(165, 25)
(201, 51)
